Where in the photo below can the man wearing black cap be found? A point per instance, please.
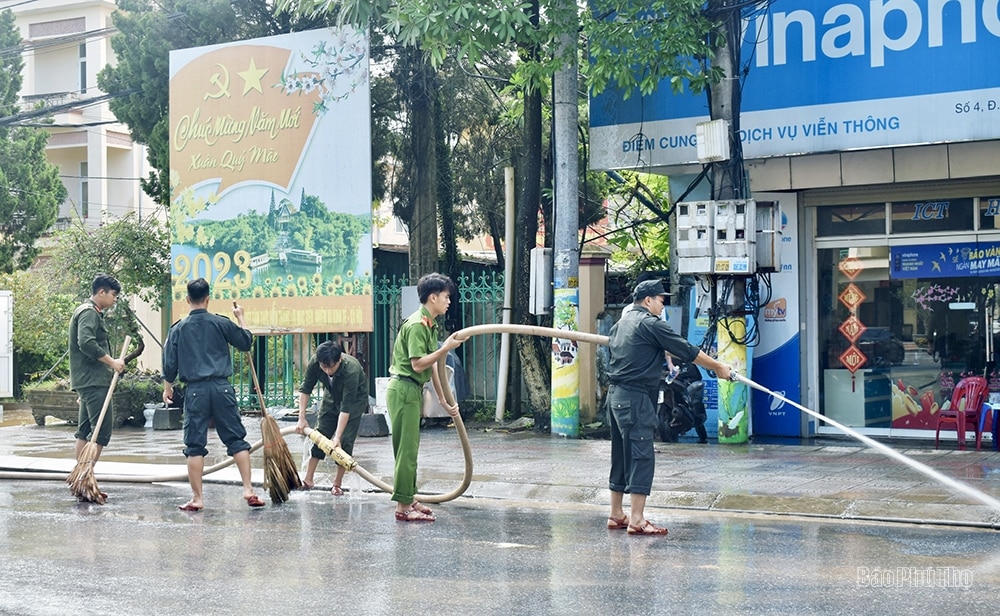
(636, 345)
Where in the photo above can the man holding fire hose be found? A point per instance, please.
(636, 346)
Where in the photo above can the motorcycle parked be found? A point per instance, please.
(681, 405)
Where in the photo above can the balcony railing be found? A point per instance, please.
(50, 99)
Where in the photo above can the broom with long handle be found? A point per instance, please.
(281, 475)
(82, 482)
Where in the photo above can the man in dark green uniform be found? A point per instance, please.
(197, 351)
(345, 399)
(414, 361)
(91, 365)
(636, 346)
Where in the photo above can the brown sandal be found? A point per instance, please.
(618, 524)
(421, 508)
(646, 528)
(337, 491)
(412, 515)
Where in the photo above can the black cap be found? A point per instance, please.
(648, 288)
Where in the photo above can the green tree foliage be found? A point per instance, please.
(41, 322)
(30, 188)
(638, 44)
(134, 250)
(669, 39)
(640, 236)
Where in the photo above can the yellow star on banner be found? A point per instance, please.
(251, 78)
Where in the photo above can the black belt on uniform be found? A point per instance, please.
(204, 380)
(403, 377)
(631, 387)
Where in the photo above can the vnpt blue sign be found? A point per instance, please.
(824, 77)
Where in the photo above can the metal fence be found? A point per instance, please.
(480, 297)
(281, 360)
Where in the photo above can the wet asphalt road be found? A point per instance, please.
(319, 554)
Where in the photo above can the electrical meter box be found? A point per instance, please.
(695, 237)
(540, 297)
(769, 236)
(735, 237)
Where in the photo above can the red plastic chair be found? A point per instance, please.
(965, 409)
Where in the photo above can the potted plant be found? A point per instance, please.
(133, 391)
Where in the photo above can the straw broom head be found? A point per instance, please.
(281, 475)
(81, 480)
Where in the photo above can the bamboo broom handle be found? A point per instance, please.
(111, 391)
(253, 374)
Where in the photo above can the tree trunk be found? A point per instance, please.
(534, 352)
(446, 201)
(424, 218)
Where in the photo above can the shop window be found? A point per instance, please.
(865, 219)
(989, 213)
(932, 215)
(894, 341)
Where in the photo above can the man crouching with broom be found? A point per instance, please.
(197, 350)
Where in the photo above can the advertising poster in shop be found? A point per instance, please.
(958, 259)
(270, 174)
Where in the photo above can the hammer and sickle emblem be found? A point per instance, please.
(222, 83)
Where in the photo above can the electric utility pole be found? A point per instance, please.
(565, 413)
(728, 183)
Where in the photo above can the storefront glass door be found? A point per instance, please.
(899, 326)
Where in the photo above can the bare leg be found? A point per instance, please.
(340, 476)
(617, 512)
(309, 481)
(196, 466)
(638, 507)
(80, 444)
(242, 459)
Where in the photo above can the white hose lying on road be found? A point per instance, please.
(463, 436)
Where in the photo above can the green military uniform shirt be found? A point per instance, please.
(418, 336)
(88, 342)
